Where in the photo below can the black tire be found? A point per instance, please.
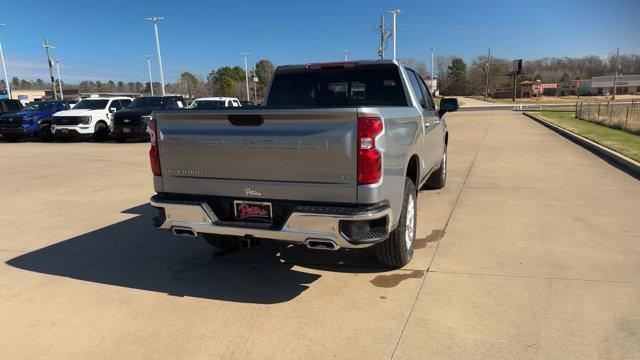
(438, 179)
(224, 242)
(396, 251)
(121, 139)
(44, 133)
(100, 132)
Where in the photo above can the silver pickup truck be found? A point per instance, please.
(332, 159)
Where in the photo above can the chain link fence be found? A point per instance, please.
(625, 116)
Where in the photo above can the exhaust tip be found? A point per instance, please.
(183, 231)
(321, 244)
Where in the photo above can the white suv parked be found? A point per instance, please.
(89, 118)
(212, 103)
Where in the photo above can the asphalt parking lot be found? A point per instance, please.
(531, 251)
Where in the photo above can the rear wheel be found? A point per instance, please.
(438, 179)
(225, 242)
(44, 133)
(397, 250)
(100, 132)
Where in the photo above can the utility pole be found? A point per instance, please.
(246, 74)
(4, 69)
(488, 68)
(382, 39)
(395, 14)
(346, 54)
(384, 36)
(432, 71)
(57, 62)
(155, 19)
(615, 75)
(150, 77)
(255, 85)
(46, 50)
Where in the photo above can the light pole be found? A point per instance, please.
(57, 62)
(346, 54)
(246, 71)
(488, 69)
(615, 75)
(4, 69)
(433, 89)
(150, 77)
(155, 19)
(47, 52)
(395, 13)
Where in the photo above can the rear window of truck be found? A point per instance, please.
(374, 85)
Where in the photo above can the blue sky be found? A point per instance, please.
(108, 40)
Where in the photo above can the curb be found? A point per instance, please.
(627, 164)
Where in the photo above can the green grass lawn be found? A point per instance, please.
(617, 140)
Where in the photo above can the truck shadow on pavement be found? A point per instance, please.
(133, 254)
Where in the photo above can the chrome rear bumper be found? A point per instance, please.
(300, 227)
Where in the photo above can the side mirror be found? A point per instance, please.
(448, 105)
(112, 110)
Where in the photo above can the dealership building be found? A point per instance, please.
(626, 84)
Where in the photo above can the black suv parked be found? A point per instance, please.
(128, 123)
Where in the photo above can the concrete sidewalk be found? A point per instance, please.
(531, 251)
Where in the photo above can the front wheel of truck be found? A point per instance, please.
(397, 250)
(101, 132)
(44, 133)
(225, 242)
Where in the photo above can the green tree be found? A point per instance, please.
(457, 77)
(264, 71)
(235, 73)
(24, 84)
(226, 87)
(15, 81)
(190, 82)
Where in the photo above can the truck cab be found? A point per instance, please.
(89, 118)
(34, 120)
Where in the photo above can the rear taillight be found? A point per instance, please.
(154, 152)
(369, 158)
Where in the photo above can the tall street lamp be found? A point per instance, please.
(150, 77)
(155, 19)
(4, 69)
(394, 13)
(57, 62)
(246, 71)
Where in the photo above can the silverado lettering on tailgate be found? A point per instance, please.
(274, 144)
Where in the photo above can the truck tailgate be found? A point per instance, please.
(301, 154)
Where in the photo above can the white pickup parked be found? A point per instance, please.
(89, 118)
(213, 103)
